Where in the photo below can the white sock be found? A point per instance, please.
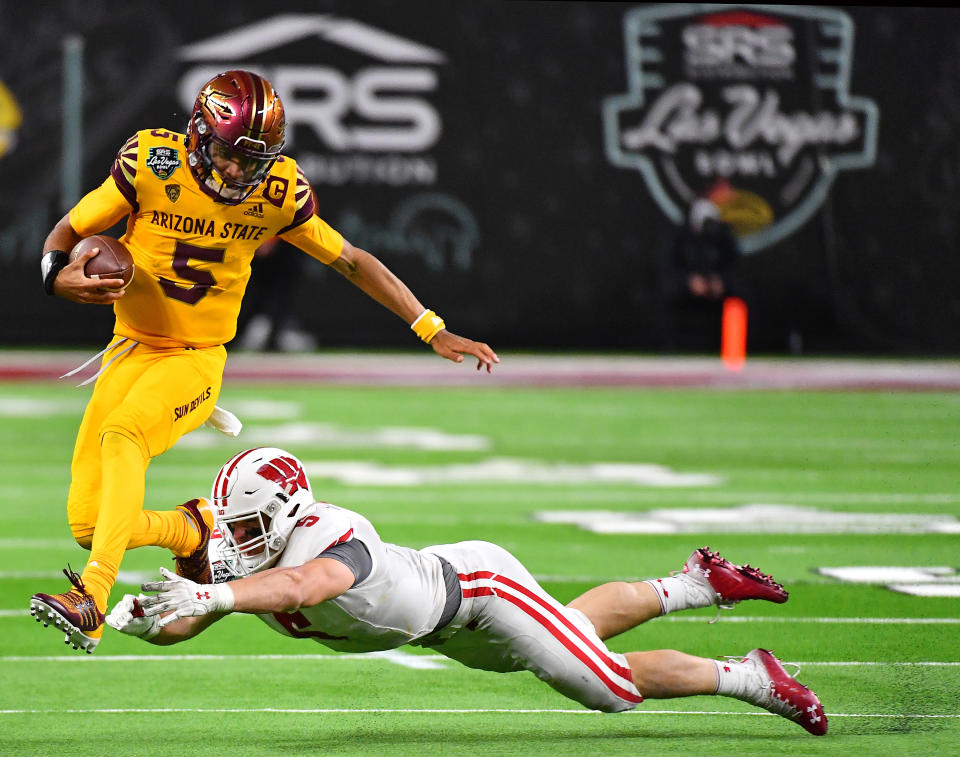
(681, 593)
(734, 679)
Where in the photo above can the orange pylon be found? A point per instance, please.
(733, 341)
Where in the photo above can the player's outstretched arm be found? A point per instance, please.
(290, 589)
(273, 590)
(374, 278)
(71, 282)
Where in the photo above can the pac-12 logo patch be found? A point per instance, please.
(746, 105)
(173, 192)
(163, 161)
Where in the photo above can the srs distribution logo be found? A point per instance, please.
(366, 117)
(747, 105)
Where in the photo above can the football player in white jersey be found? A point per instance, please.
(313, 570)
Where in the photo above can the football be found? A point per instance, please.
(113, 262)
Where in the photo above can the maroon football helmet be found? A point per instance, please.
(235, 135)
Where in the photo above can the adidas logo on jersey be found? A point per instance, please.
(255, 210)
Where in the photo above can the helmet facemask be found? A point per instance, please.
(257, 552)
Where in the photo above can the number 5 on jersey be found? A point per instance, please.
(182, 254)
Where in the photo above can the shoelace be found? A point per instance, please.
(717, 598)
(78, 594)
(779, 704)
(75, 579)
(741, 659)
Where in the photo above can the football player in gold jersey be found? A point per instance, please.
(197, 207)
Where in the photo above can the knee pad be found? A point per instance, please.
(82, 510)
(83, 535)
(125, 422)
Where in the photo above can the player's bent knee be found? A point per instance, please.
(83, 535)
(599, 700)
(604, 689)
(123, 424)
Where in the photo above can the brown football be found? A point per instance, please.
(113, 262)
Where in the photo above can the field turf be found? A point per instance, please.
(885, 663)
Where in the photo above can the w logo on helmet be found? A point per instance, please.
(285, 471)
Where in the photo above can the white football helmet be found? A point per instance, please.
(268, 485)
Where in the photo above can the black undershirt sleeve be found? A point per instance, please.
(354, 555)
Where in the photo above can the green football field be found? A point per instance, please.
(851, 499)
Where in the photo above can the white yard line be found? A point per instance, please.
(863, 621)
(860, 664)
(129, 577)
(435, 711)
(394, 656)
(390, 656)
(597, 580)
(204, 657)
(29, 543)
(16, 613)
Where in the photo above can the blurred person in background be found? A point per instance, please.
(698, 271)
(267, 320)
(197, 205)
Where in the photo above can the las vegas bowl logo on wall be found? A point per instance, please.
(747, 105)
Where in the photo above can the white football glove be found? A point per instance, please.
(185, 597)
(128, 616)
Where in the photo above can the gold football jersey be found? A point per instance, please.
(193, 254)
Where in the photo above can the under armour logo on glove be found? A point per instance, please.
(183, 598)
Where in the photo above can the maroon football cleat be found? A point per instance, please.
(196, 565)
(74, 612)
(776, 691)
(733, 583)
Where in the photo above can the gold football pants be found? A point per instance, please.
(141, 405)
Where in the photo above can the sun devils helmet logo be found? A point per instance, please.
(217, 104)
(747, 105)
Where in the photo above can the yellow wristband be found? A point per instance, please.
(427, 325)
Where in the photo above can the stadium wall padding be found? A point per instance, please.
(466, 145)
